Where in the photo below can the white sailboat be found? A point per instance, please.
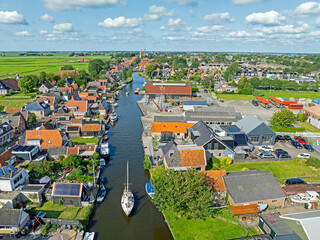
(127, 199)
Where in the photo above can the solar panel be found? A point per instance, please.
(1, 174)
(67, 189)
(73, 128)
(5, 170)
(12, 168)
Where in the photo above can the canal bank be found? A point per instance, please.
(109, 222)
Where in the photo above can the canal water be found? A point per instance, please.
(109, 221)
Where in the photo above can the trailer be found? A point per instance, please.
(264, 102)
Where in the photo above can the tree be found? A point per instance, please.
(67, 67)
(95, 155)
(26, 83)
(184, 193)
(74, 174)
(130, 70)
(95, 66)
(61, 83)
(150, 69)
(72, 161)
(49, 77)
(195, 63)
(32, 119)
(42, 77)
(123, 74)
(146, 162)
(283, 118)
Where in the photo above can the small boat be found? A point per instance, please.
(104, 149)
(150, 189)
(307, 197)
(115, 104)
(113, 116)
(137, 91)
(262, 206)
(101, 194)
(127, 93)
(127, 199)
(102, 163)
(89, 236)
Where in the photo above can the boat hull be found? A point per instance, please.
(127, 202)
(149, 190)
(101, 194)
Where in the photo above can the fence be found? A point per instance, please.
(61, 222)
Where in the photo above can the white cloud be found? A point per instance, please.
(184, 2)
(289, 29)
(156, 12)
(241, 2)
(218, 18)
(245, 34)
(12, 17)
(42, 32)
(56, 5)
(174, 22)
(207, 29)
(63, 27)
(120, 22)
(52, 39)
(162, 28)
(46, 17)
(22, 33)
(307, 9)
(317, 22)
(137, 32)
(173, 38)
(267, 18)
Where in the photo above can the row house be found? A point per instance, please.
(6, 133)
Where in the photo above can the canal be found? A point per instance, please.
(109, 221)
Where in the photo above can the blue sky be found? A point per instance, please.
(165, 25)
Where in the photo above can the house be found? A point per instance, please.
(67, 193)
(7, 158)
(8, 85)
(214, 116)
(183, 157)
(40, 109)
(170, 130)
(214, 179)
(12, 220)
(46, 138)
(49, 100)
(83, 150)
(73, 131)
(29, 153)
(253, 187)
(9, 199)
(31, 190)
(91, 128)
(257, 131)
(6, 133)
(192, 105)
(11, 178)
(314, 115)
(61, 118)
(47, 87)
(17, 122)
(91, 97)
(78, 108)
(224, 87)
(276, 227)
(12, 110)
(174, 90)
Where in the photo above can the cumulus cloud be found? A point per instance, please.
(13, 17)
(63, 27)
(207, 29)
(174, 22)
(177, 25)
(42, 32)
(162, 28)
(245, 34)
(241, 2)
(120, 22)
(47, 18)
(288, 29)
(173, 38)
(184, 2)
(56, 5)
(267, 18)
(218, 18)
(22, 33)
(156, 12)
(307, 9)
(317, 22)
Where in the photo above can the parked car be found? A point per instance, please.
(302, 140)
(295, 181)
(266, 148)
(308, 147)
(266, 155)
(280, 138)
(288, 138)
(284, 155)
(303, 155)
(255, 102)
(205, 90)
(296, 144)
(221, 100)
(280, 151)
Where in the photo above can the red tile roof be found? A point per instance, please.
(67, 72)
(4, 157)
(91, 128)
(214, 179)
(73, 150)
(49, 138)
(49, 98)
(192, 156)
(81, 106)
(172, 89)
(13, 110)
(176, 127)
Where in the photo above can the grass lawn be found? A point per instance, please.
(14, 102)
(285, 169)
(207, 228)
(235, 96)
(85, 140)
(290, 94)
(309, 127)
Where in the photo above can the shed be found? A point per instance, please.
(67, 193)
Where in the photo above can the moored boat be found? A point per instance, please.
(89, 236)
(113, 116)
(137, 91)
(101, 194)
(127, 199)
(262, 206)
(127, 93)
(102, 163)
(150, 189)
(104, 149)
(307, 197)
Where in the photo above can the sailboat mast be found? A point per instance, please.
(128, 176)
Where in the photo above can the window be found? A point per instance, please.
(274, 200)
(266, 139)
(254, 139)
(260, 202)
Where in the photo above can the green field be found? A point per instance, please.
(12, 63)
(14, 102)
(280, 170)
(290, 94)
(309, 127)
(207, 228)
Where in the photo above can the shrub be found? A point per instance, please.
(258, 93)
(313, 161)
(146, 162)
(44, 229)
(74, 174)
(85, 179)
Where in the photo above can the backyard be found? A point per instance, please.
(85, 140)
(221, 226)
(280, 170)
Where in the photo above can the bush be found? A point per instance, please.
(245, 91)
(44, 229)
(258, 93)
(146, 162)
(85, 179)
(313, 161)
(195, 89)
(302, 117)
(74, 174)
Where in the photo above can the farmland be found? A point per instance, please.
(12, 63)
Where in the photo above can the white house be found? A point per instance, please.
(314, 115)
(10, 179)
